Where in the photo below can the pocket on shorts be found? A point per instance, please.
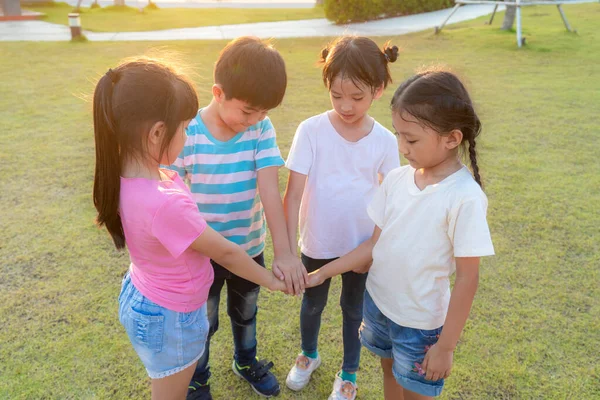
(430, 334)
(192, 318)
(147, 329)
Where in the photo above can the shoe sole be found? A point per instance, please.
(235, 371)
(291, 386)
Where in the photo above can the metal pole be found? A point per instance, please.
(564, 18)
(493, 13)
(519, 36)
(438, 29)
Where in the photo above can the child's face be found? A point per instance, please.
(176, 145)
(420, 145)
(351, 101)
(239, 115)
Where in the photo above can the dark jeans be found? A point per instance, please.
(241, 307)
(351, 302)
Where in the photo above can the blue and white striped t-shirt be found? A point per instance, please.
(222, 179)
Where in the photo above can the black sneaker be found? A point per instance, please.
(198, 391)
(257, 374)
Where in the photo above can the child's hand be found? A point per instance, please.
(315, 278)
(277, 285)
(437, 363)
(290, 268)
(364, 269)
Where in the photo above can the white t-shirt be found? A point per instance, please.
(342, 177)
(422, 231)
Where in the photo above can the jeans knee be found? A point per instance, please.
(312, 308)
(243, 314)
(353, 312)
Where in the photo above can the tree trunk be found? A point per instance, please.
(319, 2)
(78, 6)
(11, 7)
(119, 3)
(509, 18)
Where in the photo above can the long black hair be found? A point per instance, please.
(128, 101)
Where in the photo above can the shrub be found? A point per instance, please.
(344, 11)
(151, 6)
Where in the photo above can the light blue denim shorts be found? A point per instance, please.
(166, 341)
(406, 346)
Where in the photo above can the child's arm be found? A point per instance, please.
(438, 360)
(285, 260)
(231, 256)
(291, 205)
(358, 260)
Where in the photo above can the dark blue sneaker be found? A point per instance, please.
(257, 374)
(198, 391)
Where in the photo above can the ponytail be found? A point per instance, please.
(390, 53)
(473, 158)
(107, 175)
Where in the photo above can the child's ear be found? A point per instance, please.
(218, 93)
(454, 139)
(378, 93)
(157, 133)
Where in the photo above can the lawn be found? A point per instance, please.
(533, 332)
(129, 19)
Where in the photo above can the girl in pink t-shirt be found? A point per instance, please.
(141, 111)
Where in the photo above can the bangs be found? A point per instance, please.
(350, 66)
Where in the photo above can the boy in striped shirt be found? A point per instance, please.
(231, 156)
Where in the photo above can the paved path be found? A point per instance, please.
(207, 3)
(44, 31)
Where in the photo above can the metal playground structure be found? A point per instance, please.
(518, 4)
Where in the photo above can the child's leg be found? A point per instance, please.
(172, 387)
(202, 372)
(351, 302)
(408, 395)
(391, 389)
(242, 296)
(313, 303)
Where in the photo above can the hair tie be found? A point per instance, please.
(386, 57)
(112, 75)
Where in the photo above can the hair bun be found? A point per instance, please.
(324, 53)
(391, 53)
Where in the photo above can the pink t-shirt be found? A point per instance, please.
(161, 221)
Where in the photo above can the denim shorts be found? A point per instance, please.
(166, 341)
(406, 346)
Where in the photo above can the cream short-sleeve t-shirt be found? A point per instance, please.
(422, 231)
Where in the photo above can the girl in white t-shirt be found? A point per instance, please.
(430, 219)
(336, 162)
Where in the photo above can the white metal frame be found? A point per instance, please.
(518, 4)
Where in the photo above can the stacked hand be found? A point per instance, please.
(291, 272)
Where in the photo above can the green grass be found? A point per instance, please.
(129, 19)
(533, 332)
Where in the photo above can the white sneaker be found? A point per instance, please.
(343, 390)
(299, 375)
